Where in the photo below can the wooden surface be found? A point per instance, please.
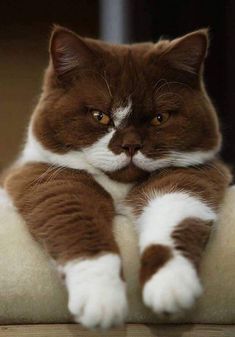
(130, 330)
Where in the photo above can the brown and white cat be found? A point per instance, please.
(122, 129)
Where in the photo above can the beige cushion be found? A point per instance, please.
(31, 292)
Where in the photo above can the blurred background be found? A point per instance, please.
(25, 29)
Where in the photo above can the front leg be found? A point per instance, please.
(71, 215)
(174, 213)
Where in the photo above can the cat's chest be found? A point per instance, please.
(118, 191)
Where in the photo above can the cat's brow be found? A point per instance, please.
(162, 83)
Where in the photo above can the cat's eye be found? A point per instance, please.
(100, 117)
(160, 118)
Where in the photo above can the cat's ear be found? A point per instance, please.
(68, 51)
(187, 53)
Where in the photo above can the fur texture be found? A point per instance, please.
(174, 288)
(175, 207)
(97, 294)
(122, 130)
(26, 274)
(176, 284)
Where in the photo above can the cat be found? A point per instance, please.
(122, 129)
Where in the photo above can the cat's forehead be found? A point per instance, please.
(118, 81)
(137, 71)
(127, 64)
(126, 81)
(126, 75)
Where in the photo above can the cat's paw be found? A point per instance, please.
(173, 288)
(99, 305)
(97, 294)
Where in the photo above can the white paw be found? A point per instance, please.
(173, 288)
(97, 294)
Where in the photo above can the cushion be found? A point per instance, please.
(32, 292)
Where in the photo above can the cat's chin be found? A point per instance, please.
(128, 174)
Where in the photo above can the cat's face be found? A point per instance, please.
(129, 110)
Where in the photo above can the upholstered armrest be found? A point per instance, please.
(31, 291)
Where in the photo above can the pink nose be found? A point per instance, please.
(131, 149)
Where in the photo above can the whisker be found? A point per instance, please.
(169, 83)
(37, 180)
(107, 84)
(161, 86)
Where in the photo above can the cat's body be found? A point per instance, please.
(122, 130)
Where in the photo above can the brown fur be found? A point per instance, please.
(207, 182)
(153, 258)
(190, 237)
(66, 210)
(104, 76)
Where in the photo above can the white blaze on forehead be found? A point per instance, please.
(121, 113)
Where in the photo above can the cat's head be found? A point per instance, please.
(126, 110)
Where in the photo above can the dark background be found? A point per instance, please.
(24, 32)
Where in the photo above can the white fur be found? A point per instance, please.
(174, 158)
(5, 200)
(117, 190)
(176, 285)
(97, 294)
(99, 155)
(91, 159)
(164, 213)
(121, 114)
(173, 288)
(34, 151)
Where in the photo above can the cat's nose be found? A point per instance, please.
(131, 149)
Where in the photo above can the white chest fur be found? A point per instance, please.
(117, 190)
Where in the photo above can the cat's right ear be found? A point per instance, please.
(68, 51)
(188, 53)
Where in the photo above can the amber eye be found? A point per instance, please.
(160, 118)
(101, 117)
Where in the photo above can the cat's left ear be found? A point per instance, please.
(187, 53)
(68, 52)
